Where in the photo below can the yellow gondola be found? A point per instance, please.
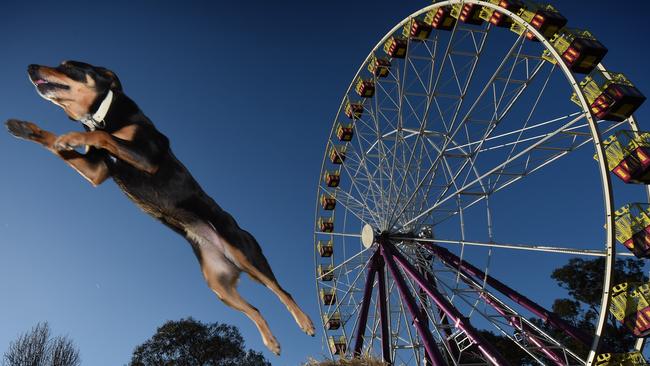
(365, 88)
(467, 13)
(326, 224)
(326, 273)
(338, 345)
(333, 321)
(628, 156)
(353, 110)
(416, 29)
(543, 17)
(620, 359)
(345, 132)
(610, 95)
(325, 248)
(631, 306)
(332, 178)
(440, 18)
(327, 202)
(579, 49)
(396, 47)
(328, 296)
(337, 154)
(632, 224)
(378, 66)
(497, 18)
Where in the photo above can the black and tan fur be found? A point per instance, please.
(129, 149)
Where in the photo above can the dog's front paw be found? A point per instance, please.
(69, 141)
(24, 130)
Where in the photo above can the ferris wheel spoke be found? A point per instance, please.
(401, 85)
(530, 115)
(526, 247)
(430, 93)
(495, 169)
(515, 132)
(354, 206)
(355, 184)
(358, 163)
(374, 182)
(338, 267)
(470, 158)
(526, 169)
(454, 130)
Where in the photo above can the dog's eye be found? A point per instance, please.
(72, 72)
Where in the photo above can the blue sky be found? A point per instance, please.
(246, 91)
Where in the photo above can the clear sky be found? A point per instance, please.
(246, 91)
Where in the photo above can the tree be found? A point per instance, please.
(38, 348)
(583, 281)
(188, 342)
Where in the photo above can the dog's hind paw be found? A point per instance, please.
(272, 344)
(24, 130)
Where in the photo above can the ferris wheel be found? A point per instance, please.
(459, 103)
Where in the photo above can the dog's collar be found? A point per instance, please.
(96, 120)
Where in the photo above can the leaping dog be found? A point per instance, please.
(122, 143)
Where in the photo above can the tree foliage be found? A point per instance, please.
(188, 342)
(583, 280)
(38, 348)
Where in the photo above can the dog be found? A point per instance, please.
(122, 143)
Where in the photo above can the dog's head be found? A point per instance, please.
(76, 87)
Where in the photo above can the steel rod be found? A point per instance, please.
(469, 270)
(525, 331)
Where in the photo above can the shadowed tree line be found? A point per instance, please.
(186, 342)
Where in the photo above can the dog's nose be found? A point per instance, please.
(32, 68)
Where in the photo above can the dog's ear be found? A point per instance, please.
(115, 82)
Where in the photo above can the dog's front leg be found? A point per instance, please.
(121, 149)
(94, 171)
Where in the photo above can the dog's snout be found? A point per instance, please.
(31, 69)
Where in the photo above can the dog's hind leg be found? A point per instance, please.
(222, 276)
(256, 266)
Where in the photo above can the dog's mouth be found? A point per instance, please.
(41, 82)
(44, 85)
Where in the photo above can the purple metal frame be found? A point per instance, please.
(419, 321)
(469, 270)
(383, 311)
(454, 315)
(365, 305)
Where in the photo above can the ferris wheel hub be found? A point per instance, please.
(367, 236)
